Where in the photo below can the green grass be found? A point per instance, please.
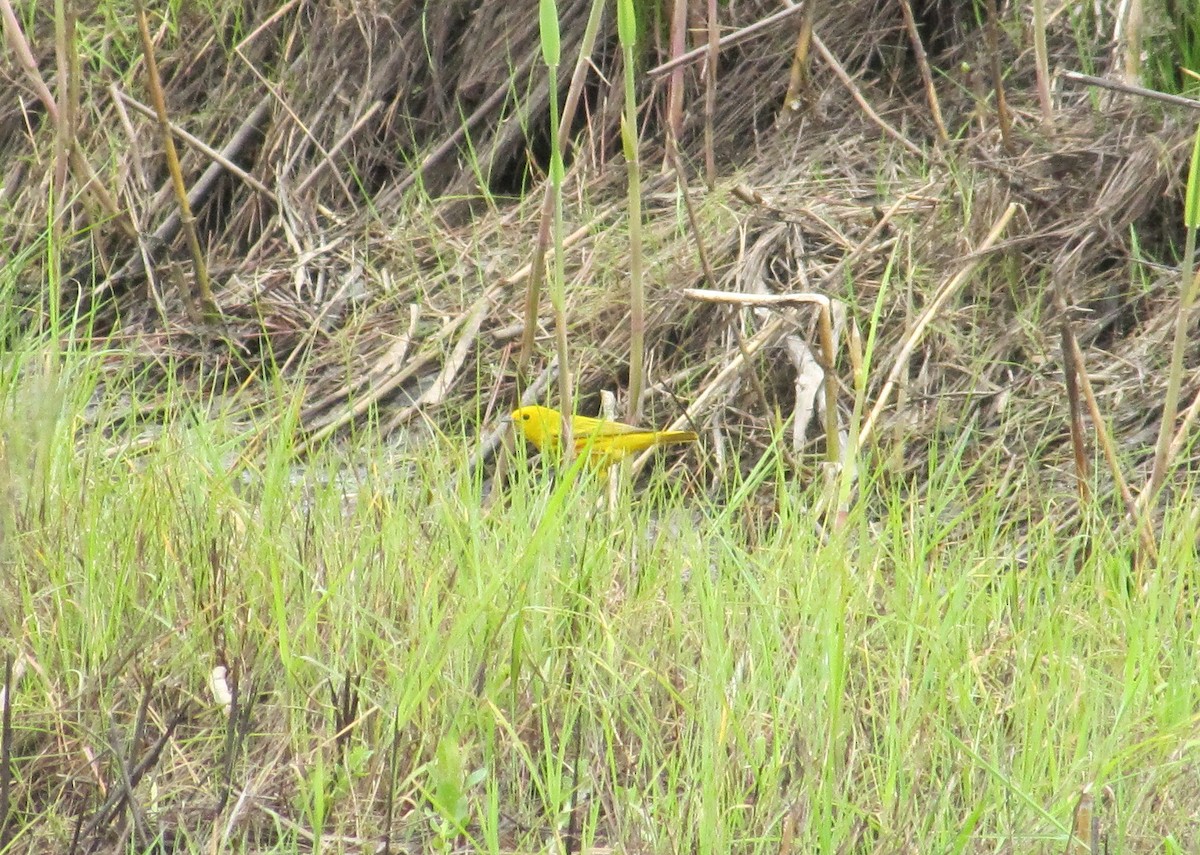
(941, 677)
(414, 660)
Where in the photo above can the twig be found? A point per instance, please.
(271, 19)
(393, 765)
(1041, 60)
(1104, 438)
(203, 296)
(742, 299)
(141, 831)
(79, 164)
(1071, 372)
(327, 157)
(844, 76)
(710, 96)
(798, 77)
(200, 192)
(935, 305)
(729, 40)
(220, 158)
(436, 393)
(825, 328)
(914, 38)
(1130, 89)
(991, 34)
(149, 759)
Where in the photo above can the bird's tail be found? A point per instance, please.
(670, 437)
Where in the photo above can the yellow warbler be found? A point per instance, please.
(605, 441)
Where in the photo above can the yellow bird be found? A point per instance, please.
(605, 441)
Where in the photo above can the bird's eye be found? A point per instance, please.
(525, 417)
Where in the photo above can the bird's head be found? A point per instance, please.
(539, 425)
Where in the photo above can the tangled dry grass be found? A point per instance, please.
(360, 177)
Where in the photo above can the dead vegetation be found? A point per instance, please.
(360, 179)
(363, 179)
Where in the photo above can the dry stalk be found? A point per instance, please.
(825, 326)
(1084, 825)
(991, 34)
(935, 306)
(798, 77)
(637, 288)
(1145, 534)
(203, 296)
(534, 274)
(728, 40)
(67, 57)
(1129, 40)
(201, 190)
(675, 82)
(79, 164)
(1042, 61)
(711, 278)
(1130, 89)
(1071, 372)
(536, 269)
(710, 96)
(914, 38)
(862, 102)
(221, 158)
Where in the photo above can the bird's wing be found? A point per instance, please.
(585, 427)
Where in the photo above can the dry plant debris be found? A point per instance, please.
(361, 177)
